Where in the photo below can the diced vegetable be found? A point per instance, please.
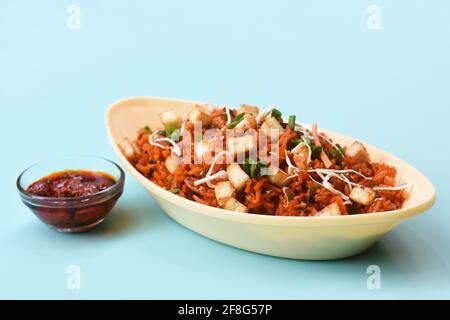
(224, 191)
(271, 123)
(170, 119)
(237, 176)
(241, 145)
(129, 149)
(172, 133)
(316, 151)
(147, 128)
(364, 196)
(358, 153)
(233, 205)
(175, 190)
(302, 156)
(171, 164)
(200, 114)
(236, 121)
(248, 109)
(275, 113)
(291, 122)
(337, 153)
(279, 177)
(330, 211)
(253, 168)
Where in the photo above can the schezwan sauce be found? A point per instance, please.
(72, 200)
(71, 183)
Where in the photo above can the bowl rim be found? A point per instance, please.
(32, 198)
(288, 221)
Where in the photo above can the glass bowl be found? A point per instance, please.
(75, 214)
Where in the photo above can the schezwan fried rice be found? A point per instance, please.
(212, 158)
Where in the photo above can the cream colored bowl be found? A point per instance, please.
(309, 238)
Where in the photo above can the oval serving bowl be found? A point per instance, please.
(306, 238)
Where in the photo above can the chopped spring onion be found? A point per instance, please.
(316, 151)
(291, 122)
(175, 190)
(252, 168)
(147, 128)
(276, 114)
(236, 120)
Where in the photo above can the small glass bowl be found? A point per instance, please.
(76, 214)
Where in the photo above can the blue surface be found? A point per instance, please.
(317, 59)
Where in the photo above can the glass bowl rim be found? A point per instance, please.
(30, 197)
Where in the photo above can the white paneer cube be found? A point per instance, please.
(237, 176)
(224, 191)
(129, 149)
(172, 164)
(332, 210)
(248, 109)
(357, 152)
(200, 114)
(233, 205)
(278, 177)
(170, 119)
(241, 145)
(302, 156)
(364, 196)
(271, 123)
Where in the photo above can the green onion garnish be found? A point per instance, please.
(291, 122)
(236, 120)
(276, 114)
(253, 168)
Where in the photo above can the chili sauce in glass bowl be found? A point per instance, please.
(71, 200)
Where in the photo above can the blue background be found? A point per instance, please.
(317, 59)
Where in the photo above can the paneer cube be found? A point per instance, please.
(332, 210)
(302, 156)
(172, 164)
(224, 191)
(248, 109)
(129, 149)
(200, 114)
(237, 176)
(278, 177)
(170, 119)
(271, 123)
(233, 205)
(358, 153)
(364, 196)
(241, 145)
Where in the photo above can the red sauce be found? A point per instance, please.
(71, 183)
(73, 215)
